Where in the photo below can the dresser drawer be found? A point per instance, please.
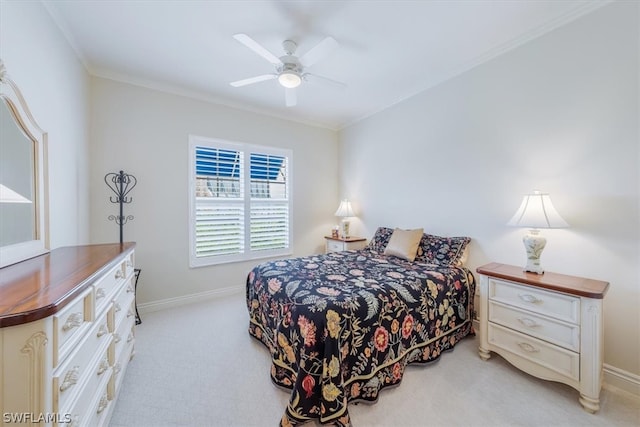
(96, 405)
(550, 357)
(124, 335)
(123, 303)
(99, 374)
(554, 331)
(69, 325)
(108, 285)
(547, 303)
(121, 365)
(75, 371)
(129, 264)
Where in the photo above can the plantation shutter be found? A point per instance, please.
(269, 202)
(240, 202)
(219, 218)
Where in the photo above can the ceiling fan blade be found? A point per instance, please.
(252, 80)
(319, 51)
(314, 78)
(290, 97)
(257, 48)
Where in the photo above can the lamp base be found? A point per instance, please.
(534, 243)
(344, 229)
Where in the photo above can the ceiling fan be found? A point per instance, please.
(290, 69)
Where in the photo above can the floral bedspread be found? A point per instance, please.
(342, 326)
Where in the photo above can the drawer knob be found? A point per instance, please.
(129, 313)
(116, 338)
(130, 337)
(117, 368)
(100, 293)
(119, 274)
(529, 323)
(129, 288)
(104, 401)
(102, 330)
(73, 321)
(529, 298)
(104, 365)
(70, 378)
(117, 307)
(129, 263)
(527, 347)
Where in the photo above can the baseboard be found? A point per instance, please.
(619, 381)
(164, 304)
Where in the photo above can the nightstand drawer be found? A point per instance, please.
(338, 244)
(559, 306)
(548, 356)
(334, 246)
(554, 331)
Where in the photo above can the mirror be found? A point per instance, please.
(23, 192)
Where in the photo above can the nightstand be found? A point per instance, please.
(549, 325)
(337, 244)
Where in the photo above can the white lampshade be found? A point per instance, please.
(537, 211)
(7, 195)
(344, 210)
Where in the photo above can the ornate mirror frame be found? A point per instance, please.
(17, 106)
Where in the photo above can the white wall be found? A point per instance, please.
(559, 114)
(56, 87)
(145, 133)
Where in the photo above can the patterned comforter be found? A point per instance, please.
(342, 326)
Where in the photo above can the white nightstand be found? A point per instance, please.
(549, 325)
(337, 244)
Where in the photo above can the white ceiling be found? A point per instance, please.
(389, 50)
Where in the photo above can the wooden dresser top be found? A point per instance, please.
(41, 286)
(573, 285)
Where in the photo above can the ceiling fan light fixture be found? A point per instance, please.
(289, 79)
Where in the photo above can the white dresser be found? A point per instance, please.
(67, 329)
(548, 325)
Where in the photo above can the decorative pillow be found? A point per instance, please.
(404, 243)
(442, 250)
(380, 239)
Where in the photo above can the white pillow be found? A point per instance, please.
(404, 243)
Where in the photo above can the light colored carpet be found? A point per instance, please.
(196, 365)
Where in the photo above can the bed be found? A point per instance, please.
(342, 326)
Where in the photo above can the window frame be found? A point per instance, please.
(246, 149)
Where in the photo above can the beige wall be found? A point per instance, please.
(559, 114)
(146, 133)
(56, 87)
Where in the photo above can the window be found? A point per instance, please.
(240, 203)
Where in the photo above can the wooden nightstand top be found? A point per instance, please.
(346, 239)
(556, 282)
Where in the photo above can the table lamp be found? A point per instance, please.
(536, 211)
(344, 211)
